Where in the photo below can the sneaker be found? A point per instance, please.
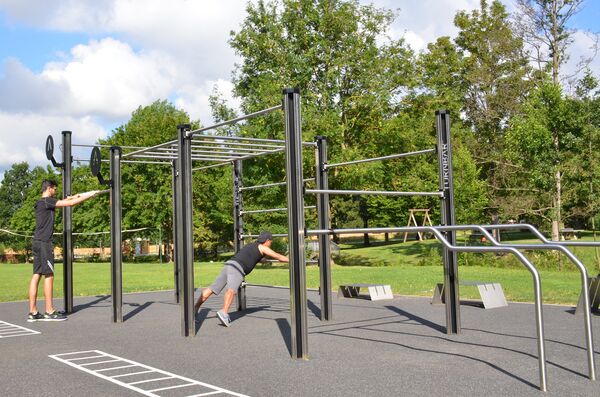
(224, 317)
(31, 317)
(54, 316)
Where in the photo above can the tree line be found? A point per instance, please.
(525, 135)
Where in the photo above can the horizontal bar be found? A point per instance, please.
(219, 149)
(211, 166)
(232, 121)
(273, 210)
(256, 235)
(272, 184)
(373, 192)
(392, 156)
(214, 142)
(109, 146)
(150, 148)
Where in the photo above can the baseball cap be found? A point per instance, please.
(264, 236)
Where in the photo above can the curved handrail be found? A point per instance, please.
(438, 234)
(551, 245)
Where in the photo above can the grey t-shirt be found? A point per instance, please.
(44, 218)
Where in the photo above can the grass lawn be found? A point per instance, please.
(410, 268)
(94, 279)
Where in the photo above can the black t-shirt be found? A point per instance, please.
(44, 218)
(248, 257)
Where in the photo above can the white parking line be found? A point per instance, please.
(8, 330)
(64, 358)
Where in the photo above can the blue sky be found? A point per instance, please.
(85, 65)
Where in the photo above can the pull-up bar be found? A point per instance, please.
(373, 192)
(392, 156)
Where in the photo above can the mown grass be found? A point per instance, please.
(411, 268)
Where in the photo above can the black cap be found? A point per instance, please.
(264, 236)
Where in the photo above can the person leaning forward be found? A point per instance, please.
(234, 271)
(43, 251)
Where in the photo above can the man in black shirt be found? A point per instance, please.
(234, 271)
(43, 251)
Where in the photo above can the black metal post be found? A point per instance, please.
(175, 248)
(238, 224)
(185, 229)
(296, 226)
(116, 254)
(451, 293)
(67, 214)
(322, 182)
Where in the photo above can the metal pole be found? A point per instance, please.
(67, 213)
(296, 226)
(322, 183)
(451, 293)
(116, 255)
(175, 239)
(185, 229)
(238, 224)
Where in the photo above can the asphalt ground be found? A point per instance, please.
(392, 348)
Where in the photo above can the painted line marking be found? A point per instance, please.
(133, 373)
(63, 357)
(111, 368)
(8, 330)
(151, 380)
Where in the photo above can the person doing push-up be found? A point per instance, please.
(234, 271)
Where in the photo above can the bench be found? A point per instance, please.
(594, 291)
(375, 291)
(491, 294)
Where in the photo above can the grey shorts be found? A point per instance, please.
(43, 257)
(231, 276)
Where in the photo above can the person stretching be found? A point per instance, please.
(234, 271)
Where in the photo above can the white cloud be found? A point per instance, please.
(23, 137)
(105, 78)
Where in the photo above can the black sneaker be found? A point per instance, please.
(54, 316)
(31, 317)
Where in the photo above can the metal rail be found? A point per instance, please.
(237, 119)
(273, 210)
(272, 184)
(552, 245)
(436, 231)
(373, 192)
(392, 156)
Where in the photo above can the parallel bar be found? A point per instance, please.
(296, 225)
(392, 156)
(322, 182)
(116, 252)
(67, 213)
(233, 121)
(440, 236)
(548, 244)
(372, 192)
(130, 161)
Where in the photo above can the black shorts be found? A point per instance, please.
(43, 257)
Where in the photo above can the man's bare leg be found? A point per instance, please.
(48, 288)
(33, 288)
(228, 299)
(204, 295)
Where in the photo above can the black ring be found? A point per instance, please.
(95, 161)
(49, 147)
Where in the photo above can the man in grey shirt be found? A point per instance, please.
(234, 271)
